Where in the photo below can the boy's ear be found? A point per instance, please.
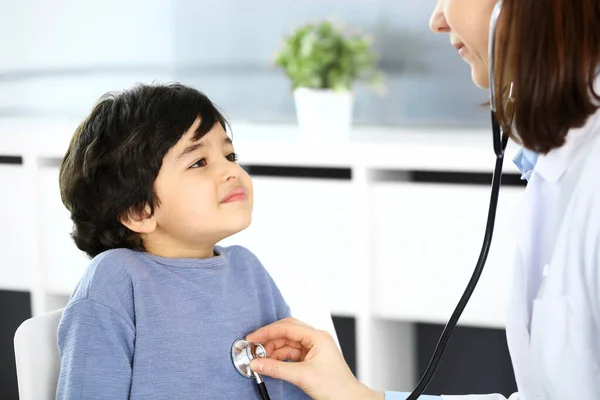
(143, 222)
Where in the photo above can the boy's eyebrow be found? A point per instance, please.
(195, 146)
(189, 149)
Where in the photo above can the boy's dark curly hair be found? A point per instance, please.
(115, 155)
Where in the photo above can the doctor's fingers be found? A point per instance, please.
(288, 371)
(288, 353)
(273, 345)
(290, 329)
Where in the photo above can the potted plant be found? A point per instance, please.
(323, 63)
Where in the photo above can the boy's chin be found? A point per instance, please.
(237, 226)
(244, 223)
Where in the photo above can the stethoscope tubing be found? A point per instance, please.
(500, 140)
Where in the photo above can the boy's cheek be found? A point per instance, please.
(250, 194)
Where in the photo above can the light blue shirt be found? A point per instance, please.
(525, 160)
(140, 326)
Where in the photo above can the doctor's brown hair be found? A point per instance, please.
(551, 51)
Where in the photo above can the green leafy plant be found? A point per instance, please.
(323, 56)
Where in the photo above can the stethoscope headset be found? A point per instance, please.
(242, 352)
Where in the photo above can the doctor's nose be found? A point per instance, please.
(438, 23)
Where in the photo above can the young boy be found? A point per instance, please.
(152, 184)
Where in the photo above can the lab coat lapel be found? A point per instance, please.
(517, 321)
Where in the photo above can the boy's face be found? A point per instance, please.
(204, 196)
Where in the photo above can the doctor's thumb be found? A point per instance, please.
(287, 371)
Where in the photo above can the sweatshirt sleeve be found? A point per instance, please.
(96, 351)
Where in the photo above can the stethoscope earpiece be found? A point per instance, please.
(500, 140)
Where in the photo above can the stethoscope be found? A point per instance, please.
(243, 353)
(500, 141)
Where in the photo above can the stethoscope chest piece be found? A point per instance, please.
(242, 354)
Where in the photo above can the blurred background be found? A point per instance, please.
(58, 57)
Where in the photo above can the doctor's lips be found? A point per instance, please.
(462, 50)
(237, 194)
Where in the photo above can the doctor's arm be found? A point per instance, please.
(96, 349)
(319, 368)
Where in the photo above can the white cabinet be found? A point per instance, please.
(16, 259)
(387, 253)
(427, 242)
(64, 262)
(302, 233)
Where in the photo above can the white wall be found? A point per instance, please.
(65, 34)
(58, 57)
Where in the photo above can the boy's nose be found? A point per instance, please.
(230, 171)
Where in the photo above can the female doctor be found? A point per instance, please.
(550, 51)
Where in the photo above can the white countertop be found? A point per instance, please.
(387, 148)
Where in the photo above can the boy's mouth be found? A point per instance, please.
(237, 194)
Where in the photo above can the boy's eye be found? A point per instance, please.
(198, 164)
(233, 157)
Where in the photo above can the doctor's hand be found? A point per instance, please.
(316, 365)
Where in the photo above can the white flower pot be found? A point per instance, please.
(324, 114)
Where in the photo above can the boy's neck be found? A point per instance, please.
(169, 251)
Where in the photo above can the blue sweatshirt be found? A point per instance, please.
(139, 326)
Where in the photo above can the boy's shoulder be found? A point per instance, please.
(248, 265)
(240, 254)
(240, 257)
(109, 276)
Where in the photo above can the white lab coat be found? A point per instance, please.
(553, 326)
